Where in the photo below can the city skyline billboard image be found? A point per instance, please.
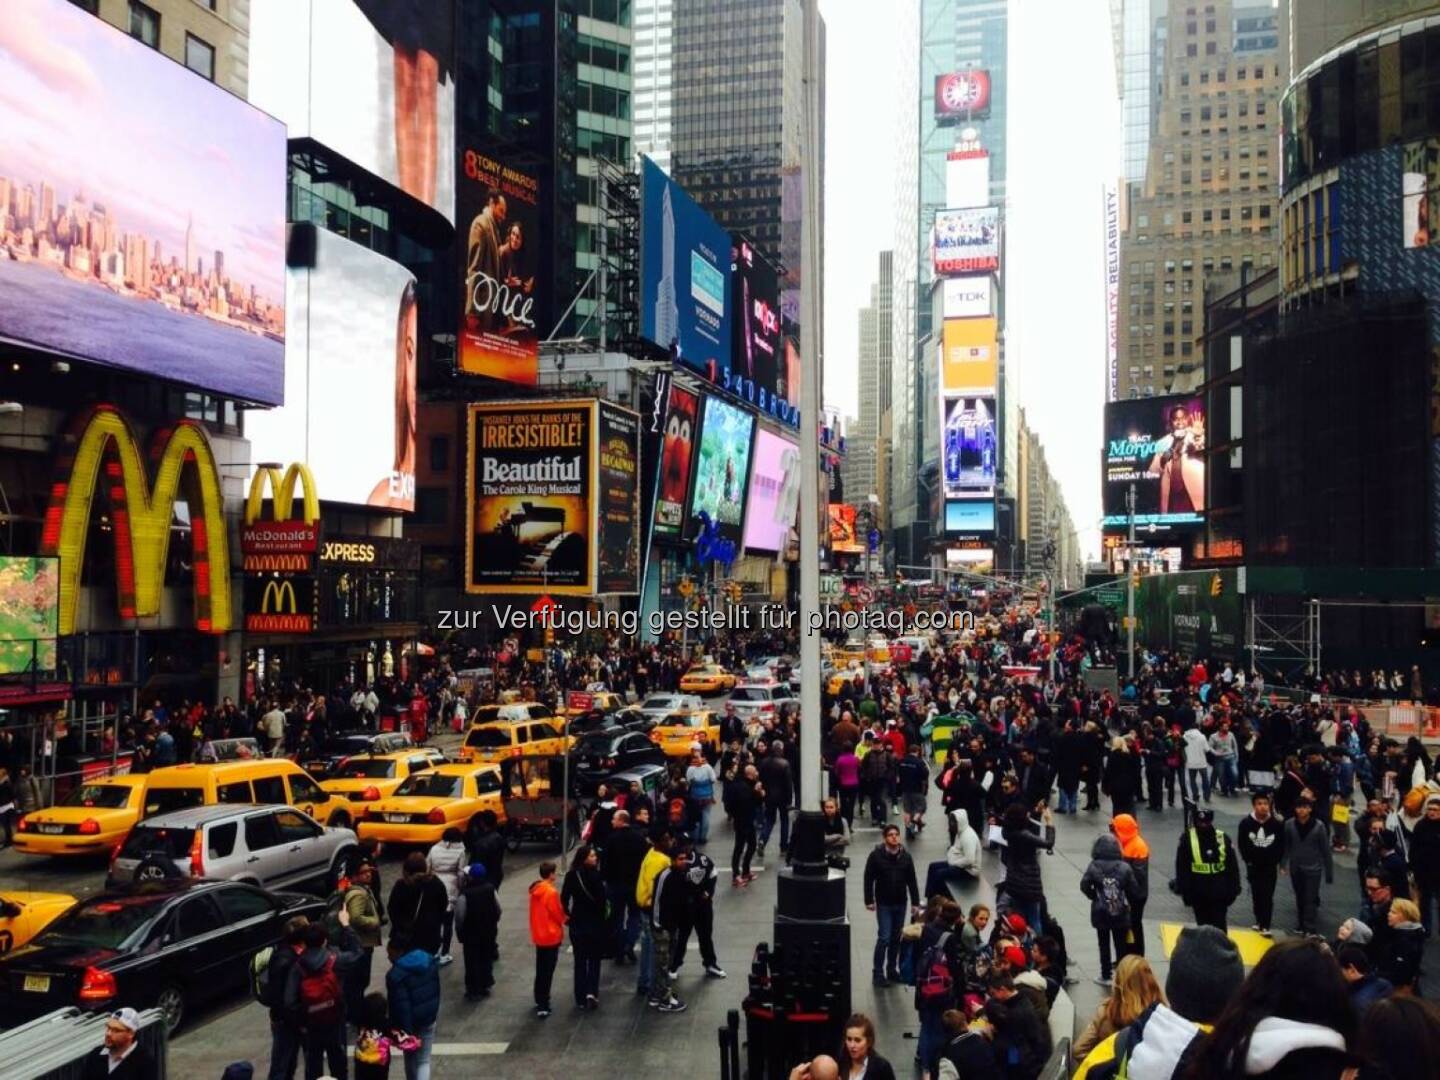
(1158, 445)
(617, 499)
(970, 449)
(758, 369)
(174, 268)
(685, 287)
(498, 208)
(677, 457)
(774, 492)
(722, 467)
(530, 502)
(966, 241)
(351, 368)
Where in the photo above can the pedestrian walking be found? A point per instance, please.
(1023, 843)
(743, 797)
(448, 862)
(547, 931)
(889, 882)
(477, 924)
(1307, 858)
(912, 777)
(1122, 777)
(1206, 870)
(656, 860)
(700, 782)
(413, 986)
(620, 858)
(1111, 887)
(315, 995)
(779, 784)
(1262, 845)
(367, 924)
(668, 914)
(418, 905)
(1197, 763)
(1136, 853)
(582, 895)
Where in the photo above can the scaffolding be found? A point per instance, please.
(1282, 636)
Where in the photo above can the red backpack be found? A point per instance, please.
(320, 994)
(934, 981)
(677, 811)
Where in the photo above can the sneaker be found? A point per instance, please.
(739, 882)
(1265, 931)
(879, 980)
(1101, 980)
(1255, 927)
(445, 959)
(715, 971)
(654, 1003)
(541, 1013)
(674, 1005)
(592, 1002)
(674, 974)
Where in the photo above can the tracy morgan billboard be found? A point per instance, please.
(1158, 445)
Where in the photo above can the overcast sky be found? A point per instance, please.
(1064, 138)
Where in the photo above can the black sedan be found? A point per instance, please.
(599, 755)
(166, 946)
(322, 761)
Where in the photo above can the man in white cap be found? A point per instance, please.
(122, 1057)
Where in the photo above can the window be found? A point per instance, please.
(261, 833)
(432, 506)
(196, 916)
(270, 789)
(439, 453)
(221, 841)
(145, 24)
(234, 793)
(238, 904)
(303, 789)
(200, 57)
(295, 827)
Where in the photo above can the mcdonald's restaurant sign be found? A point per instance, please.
(141, 509)
(279, 605)
(282, 544)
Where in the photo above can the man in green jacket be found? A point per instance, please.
(365, 923)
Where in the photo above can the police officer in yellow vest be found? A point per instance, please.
(1207, 872)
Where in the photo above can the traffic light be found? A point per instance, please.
(1217, 585)
(1135, 577)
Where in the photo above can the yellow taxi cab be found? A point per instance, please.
(498, 736)
(433, 800)
(92, 819)
(271, 781)
(582, 702)
(848, 655)
(840, 677)
(707, 679)
(25, 914)
(675, 733)
(877, 652)
(365, 779)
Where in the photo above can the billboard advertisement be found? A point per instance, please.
(843, 539)
(29, 613)
(774, 493)
(530, 514)
(758, 371)
(144, 231)
(1420, 192)
(372, 80)
(498, 206)
(966, 241)
(1197, 612)
(968, 297)
(1158, 445)
(351, 370)
(964, 94)
(722, 467)
(279, 605)
(617, 498)
(1112, 290)
(971, 519)
(971, 447)
(685, 303)
(677, 454)
(969, 356)
(967, 178)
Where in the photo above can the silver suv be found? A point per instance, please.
(277, 847)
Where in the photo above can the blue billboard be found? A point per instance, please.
(685, 303)
(975, 518)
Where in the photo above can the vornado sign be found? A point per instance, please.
(279, 605)
(141, 513)
(281, 545)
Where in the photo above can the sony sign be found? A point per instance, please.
(969, 297)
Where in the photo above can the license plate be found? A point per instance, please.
(50, 830)
(37, 984)
(397, 819)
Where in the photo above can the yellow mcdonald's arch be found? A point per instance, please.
(141, 516)
(267, 476)
(278, 590)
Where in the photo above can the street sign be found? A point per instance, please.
(865, 594)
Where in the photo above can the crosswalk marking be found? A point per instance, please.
(468, 1049)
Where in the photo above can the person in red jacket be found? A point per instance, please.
(547, 931)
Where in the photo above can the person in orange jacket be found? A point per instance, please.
(1136, 852)
(547, 931)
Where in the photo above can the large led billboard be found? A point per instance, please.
(142, 209)
(774, 492)
(530, 516)
(758, 370)
(843, 538)
(963, 94)
(966, 241)
(685, 297)
(350, 372)
(617, 499)
(968, 297)
(973, 519)
(969, 356)
(371, 80)
(677, 455)
(1158, 446)
(29, 613)
(722, 467)
(504, 303)
(970, 447)
(967, 178)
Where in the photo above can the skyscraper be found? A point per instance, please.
(219, 265)
(866, 469)
(667, 305)
(654, 38)
(189, 243)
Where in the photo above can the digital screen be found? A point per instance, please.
(351, 370)
(29, 613)
(843, 540)
(970, 518)
(967, 241)
(774, 492)
(373, 80)
(963, 94)
(722, 467)
(1158, 445)
(758, 370)
(142, 229)
(967, 178)
(969, 451)
(677, 455)
(618, 500)
(685, 303)
(969, 297)
(970, 355)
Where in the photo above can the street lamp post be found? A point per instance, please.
(1130, 582)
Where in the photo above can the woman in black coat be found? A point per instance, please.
(858, 1057)
(1023, 843)
(583, 897)
(1122, 778)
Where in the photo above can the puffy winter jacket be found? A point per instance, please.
(413, 984)
(446, 863)
(964, 853)
(1022, 862)
(1135, 851)
(1108, 870)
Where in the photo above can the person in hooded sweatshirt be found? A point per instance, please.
(1262, 844)
(477, 924)
(962, 860)
(314, 994)
(1307, 857)
(413, 987)
(1136, 853)
(1113, 891)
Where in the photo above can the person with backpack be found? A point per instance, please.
(1113, 890)
(358, 901)
(269, 976)
(937, 979)
(1136, 853)
(418, 904)
(477, 925)
(315, 997)
(413, 985)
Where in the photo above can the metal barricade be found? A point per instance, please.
(58, 1045)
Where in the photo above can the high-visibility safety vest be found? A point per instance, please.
(1198, 865)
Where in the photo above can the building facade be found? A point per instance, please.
(212, 39)
(1317, 26)
(866, 461)
(654, 42)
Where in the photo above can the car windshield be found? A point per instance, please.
(168, 800)
(751, 693)
(347, 744)
(685, 720)
(489, 737)
(103, 923)
(659, 701)
(366, 769)
(431, 786)
(596, 745)
(99, 796)
(148, 840)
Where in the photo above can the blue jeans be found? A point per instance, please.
(417, 1062)
(1226, 776)
(1196, 775)
(891, 920)
(940, 874)
(700, 815)
(625, 916)
(645, 970)
(932, 1039)
(767, 825)
(1029, 910)
(1069, 801)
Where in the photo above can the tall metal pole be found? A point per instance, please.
(1051, 627)
(811, 268)
(1130, 582)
